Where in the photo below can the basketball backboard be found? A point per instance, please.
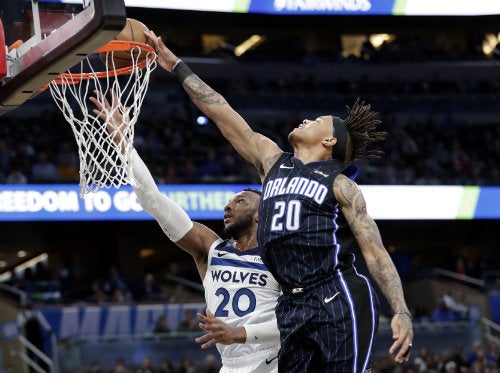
(44, 38)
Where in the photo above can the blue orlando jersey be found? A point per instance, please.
(303, 235)
(240, 290)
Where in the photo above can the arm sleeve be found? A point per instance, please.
(173, 220)
(264, 332)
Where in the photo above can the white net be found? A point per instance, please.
(103, 158)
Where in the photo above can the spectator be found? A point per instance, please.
(68, 154)
(42, 273)
(120, 366)
(95, 367)
(119, 296)
(181, 294)
(161, 325)
(421, 359)
(16, 176)
(114, 282)
(189, 323)
(480, 359)
(211, 168)
(211, 364)
(146, 366)
(166, 367)
(450, 367)
(186, 366)
(458, 307)
(66, 171)
(98, 295)
(43, 170)
(442, 314)
(171, 176)
(459, 358)
(148, 290)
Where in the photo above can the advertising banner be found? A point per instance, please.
(324, 7)
(62, 202)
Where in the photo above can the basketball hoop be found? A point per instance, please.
(104, 163)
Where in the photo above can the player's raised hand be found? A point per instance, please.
(218, 331)
(112, 114)
(166, 58)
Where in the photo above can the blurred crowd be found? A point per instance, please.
(77, 283)
(476, 358)
(421, 149)
(442, 130)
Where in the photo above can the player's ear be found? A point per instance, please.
(329, 141)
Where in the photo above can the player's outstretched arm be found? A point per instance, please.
(220, 332)
(378, 261)
(194, 238)
(254, 147)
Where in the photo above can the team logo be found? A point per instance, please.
(269, 361)
(320, 173)
(329, 299)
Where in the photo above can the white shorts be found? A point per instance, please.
(265, 361)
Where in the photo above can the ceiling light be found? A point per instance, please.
(252, 42)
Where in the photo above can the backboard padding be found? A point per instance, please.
(60, 50)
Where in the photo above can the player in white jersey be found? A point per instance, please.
(240, 291)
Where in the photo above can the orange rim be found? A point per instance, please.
(113, 45)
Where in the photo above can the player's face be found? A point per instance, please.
(312, 131)
(239, 213)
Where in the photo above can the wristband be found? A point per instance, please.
(264, 332)
(175, 64)
(403, 313)
(181, 71)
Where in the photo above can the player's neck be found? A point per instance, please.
(242, 244)
(311, 154)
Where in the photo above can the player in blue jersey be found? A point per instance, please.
(240, 292)
(312, 222)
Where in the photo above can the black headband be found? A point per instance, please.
(340, 132)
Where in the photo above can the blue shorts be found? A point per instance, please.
(329, 326)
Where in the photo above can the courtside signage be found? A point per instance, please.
(63, 202)
(114, 320)
(206, 202)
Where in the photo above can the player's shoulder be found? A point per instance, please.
(272, 159)
(343, 181)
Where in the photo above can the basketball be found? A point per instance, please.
(133, 31)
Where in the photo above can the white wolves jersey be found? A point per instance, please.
(240, 290)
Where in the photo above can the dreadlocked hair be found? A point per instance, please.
(361, 123)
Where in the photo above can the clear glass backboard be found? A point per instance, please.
(44, 38)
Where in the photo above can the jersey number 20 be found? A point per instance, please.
(286, 217)
(226, 298)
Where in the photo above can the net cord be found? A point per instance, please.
(103, 164)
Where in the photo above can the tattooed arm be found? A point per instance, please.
(378, 261)
(254, 147)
